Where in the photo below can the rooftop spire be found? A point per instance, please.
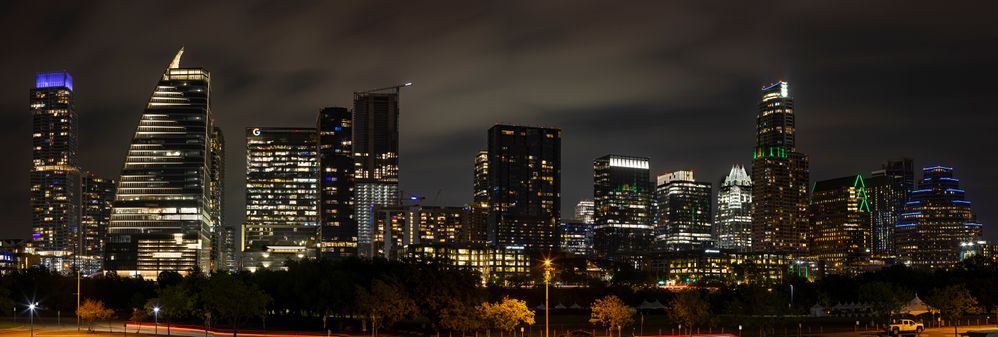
(176, 59)
(737, 176)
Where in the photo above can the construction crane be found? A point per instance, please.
(396, 87)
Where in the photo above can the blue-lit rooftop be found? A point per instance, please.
(51, 80)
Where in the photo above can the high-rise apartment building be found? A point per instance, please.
(888, 189)
(376, 156)
(622, 204)
(733, 222)
(779, 176)
(684, 212)
(163, 212)
(95, 216)
(481, 182)
(840, 233)
(936, 220)
(55, 172)
(585, 211)
(338, 228)
(282, 196)
(524, 187)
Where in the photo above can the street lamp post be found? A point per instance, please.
(31, 313)
(155, 315)
(547, 280)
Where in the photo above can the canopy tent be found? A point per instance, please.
(818, 310)
(917, 307)
(645, 305)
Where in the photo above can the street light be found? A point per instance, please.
(31, 312)
(155, 315)
(547, 280)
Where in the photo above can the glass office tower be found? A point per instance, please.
(622, 205)
(684, 212)
(282, 196)
(936, 220)
(840, 232)
(733, 225)
(163, 212)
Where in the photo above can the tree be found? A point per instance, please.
(460, 317)
(231, 299)
(384, 304)
(507, 314)
(91, 311)
(611, 312)
(953, 301)
(688, 308)
(885, 298)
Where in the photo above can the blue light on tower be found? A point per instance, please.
(50, 80)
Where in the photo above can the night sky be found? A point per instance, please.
(677, 82)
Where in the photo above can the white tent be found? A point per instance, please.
(917, 307)
(645, 305)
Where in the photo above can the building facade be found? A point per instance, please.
(889, 189)
(840, 234)
(95, 216)
(780, 176)
(585, 211)
(733, 222)
(282, 196)
(55, 173)
(575, 237)
(524, 187)
(684, 212)
(163, 215)
(481, 174)
(337, 225)
(376, 157)
(622, 204)
(936, 220)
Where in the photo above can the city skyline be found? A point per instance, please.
(439, 157)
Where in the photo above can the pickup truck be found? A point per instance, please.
(904, 326)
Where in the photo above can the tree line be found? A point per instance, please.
(370, 295)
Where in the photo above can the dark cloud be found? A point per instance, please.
(675, 81)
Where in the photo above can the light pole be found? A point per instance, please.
(547, 280)
(31, 313)
(155, 317)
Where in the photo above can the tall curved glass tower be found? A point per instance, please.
(168, 197)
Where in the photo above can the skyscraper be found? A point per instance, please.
(733, 225)
(888, 189)
(622, 203)
(376, 155)
(684, 206)
(936, 220)
(216, 191)
(55, 172)
(95, 216)
(585, 211)
(481, 182)
(575, 237)
(336, 184)
(840, 233)
(163, 214)
(524, 187)
(227, 249)
(282, 206)
(780, 176)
